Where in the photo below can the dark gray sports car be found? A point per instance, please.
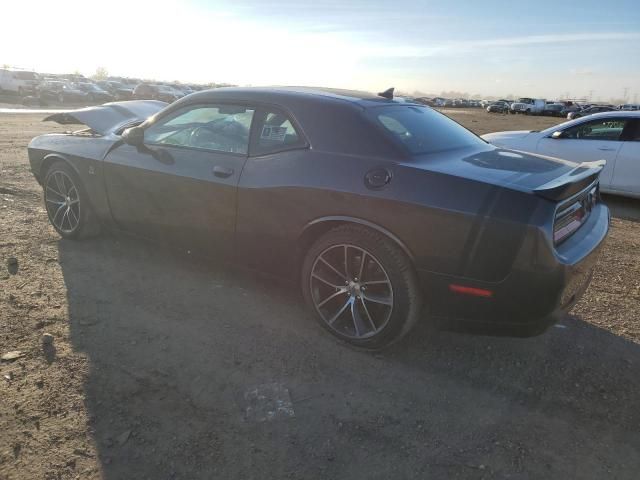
(386, 212)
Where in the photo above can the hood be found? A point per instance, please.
(108, 118)
(498, 138)
(549, 177)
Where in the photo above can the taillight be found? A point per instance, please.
(570, 218)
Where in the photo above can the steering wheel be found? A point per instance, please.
(200, 135)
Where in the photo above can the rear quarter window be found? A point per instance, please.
(423, 130)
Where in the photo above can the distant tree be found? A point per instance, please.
(101, 74)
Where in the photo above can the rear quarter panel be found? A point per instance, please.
(448, 224)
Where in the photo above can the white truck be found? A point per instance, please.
(21, 82)
(528, 106)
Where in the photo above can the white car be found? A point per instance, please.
(610, 136)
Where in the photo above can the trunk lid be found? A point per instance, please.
(551, 178)
(108, 118)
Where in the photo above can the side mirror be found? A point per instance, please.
(557, 134)
(133, 136)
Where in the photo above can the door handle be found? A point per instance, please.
(606, 149)
(222, 172)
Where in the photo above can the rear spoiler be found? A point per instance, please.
(571, 182)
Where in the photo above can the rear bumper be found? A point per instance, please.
(531, 298)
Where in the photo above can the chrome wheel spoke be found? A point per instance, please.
(60, 209)
(366, 310)
(346, 261)
(358, 322)
(75, 216)
(361, 270)
(332, 268)
(377, 299)
(51, 189)
(60, 183)
(376, 282)
(341, 291)
(325, 281)
(332, 320)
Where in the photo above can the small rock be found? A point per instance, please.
(482, 467)
(11, 356)
(12, 265)
(8, 377)
(47, 339)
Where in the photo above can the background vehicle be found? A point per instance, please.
(590, 111)
(533, 106)
(61, 92)
(145, 91)
(498, 107)
(553, 109)
(611, 136)
(119, 90)
(94, 92)
(629, 107)
(20, 82)
(369, 202)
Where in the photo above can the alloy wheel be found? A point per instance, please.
(62, 202)
(351, 291)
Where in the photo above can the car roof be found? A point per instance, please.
(596, 116)
(296, 94)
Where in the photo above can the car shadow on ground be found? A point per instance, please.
(176, 346)
(623, 207)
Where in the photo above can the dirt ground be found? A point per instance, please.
(162, 366)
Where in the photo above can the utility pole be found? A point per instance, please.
(590, 94)
(624, 95)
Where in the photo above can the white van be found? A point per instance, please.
(21, 82)
(528, 106)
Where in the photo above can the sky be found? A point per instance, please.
(549, 49)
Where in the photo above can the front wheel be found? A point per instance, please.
(66, 202)
(361, 287)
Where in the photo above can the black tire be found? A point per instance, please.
(86, 224)
(404, 293)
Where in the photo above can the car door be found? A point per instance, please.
(180, 185)
(277, 161)
(626, 176)
(587, 141)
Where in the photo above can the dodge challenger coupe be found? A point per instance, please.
(384, 211)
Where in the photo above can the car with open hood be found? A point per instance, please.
(385, 213)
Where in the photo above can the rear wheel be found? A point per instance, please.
(67, 203)
(361, 287)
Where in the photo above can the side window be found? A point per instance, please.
(605, 129)
(275, 132)
(632, 131)
(220, 128)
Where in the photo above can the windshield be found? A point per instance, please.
(423, 130)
